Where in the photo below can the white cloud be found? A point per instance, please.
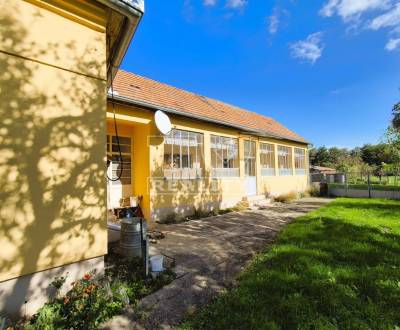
(276, 19)
(348, 9)
(209, 2)
(392, 44)
(368, 14)
(273, 23)
(310, 49)
(236, 4)
(389, 19)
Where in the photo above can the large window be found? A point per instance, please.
(300, 161)
(285, 160)
(249, 158)
(224, 157)
(183, 153)
(115, 164)
(267, 159)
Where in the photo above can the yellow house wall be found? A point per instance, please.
(163, 196)
(52, 136)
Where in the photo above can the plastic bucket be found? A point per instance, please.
(157, 263)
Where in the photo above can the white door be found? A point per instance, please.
(117, 168)
(250, 167)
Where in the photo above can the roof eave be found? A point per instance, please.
(242, 129)
(132, 11)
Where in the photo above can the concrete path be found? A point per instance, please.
(208, 254)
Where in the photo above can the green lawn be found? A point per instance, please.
(335, 268)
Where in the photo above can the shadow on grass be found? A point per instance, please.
(324, 272)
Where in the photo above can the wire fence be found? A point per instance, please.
(358, 184)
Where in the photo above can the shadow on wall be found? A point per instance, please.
(183, 196)
(52, 139)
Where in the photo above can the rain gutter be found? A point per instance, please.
(132, 11)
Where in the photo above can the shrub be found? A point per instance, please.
(314, 191)
(171, 218)
(85, 306)
(199, 213)
(91, 301)
(241, 206)
(286, 198)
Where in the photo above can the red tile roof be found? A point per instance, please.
(143, 90)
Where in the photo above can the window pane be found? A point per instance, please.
(224, 156)
(184, 149)
(285, 160)
(118, 163)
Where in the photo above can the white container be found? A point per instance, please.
(157, 263)
(133, 201)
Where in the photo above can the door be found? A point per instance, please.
(250, 167)
(119, 171)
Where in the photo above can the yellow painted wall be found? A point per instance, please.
(52, 137)
(162, 196)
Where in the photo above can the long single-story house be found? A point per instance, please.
(215, 156)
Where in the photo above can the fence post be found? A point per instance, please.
(369, 185)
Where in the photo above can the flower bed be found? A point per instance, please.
(94, 299)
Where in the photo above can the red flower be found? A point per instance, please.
(87, 276)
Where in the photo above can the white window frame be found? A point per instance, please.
(300, 161)
(226, 154)
(126, 176)
(267, 159)
(183, 168)
(285, 167)
(250, 156)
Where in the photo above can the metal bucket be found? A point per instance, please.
(130, 242)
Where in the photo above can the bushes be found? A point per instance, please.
(199, 213)
(171, 218)
(286, 198)
(91, 301)
(314, 191)
(88, 304)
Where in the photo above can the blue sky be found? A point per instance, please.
(329, 70)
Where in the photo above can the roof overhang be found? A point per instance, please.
(124, 17)
(155, 107)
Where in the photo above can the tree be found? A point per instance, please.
(396, 116)
(320, 156)
(393, 140)
(376, 154)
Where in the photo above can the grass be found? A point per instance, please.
(335, 268)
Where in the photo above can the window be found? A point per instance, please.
(300, 161)
(249, 158)
(285, 160)
(267, 159)
(183, 152)
(114, 169)
(224, 157)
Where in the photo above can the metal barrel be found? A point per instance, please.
(130, 242)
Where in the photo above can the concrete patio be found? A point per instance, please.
(208, 254)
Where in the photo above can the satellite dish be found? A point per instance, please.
(162, 122)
